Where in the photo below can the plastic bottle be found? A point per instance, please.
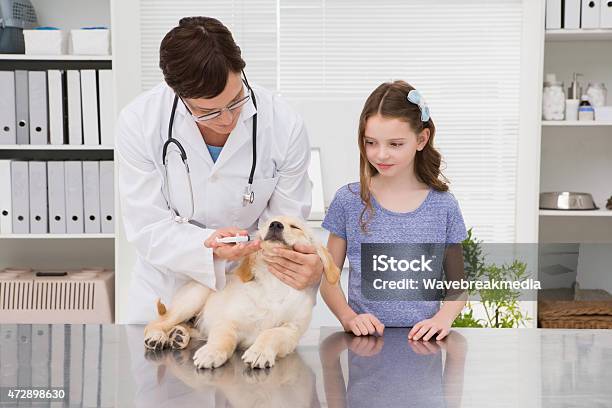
(553, 99)
(585, 110)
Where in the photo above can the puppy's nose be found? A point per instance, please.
(276, 226)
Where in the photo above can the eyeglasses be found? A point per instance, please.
(213, 115)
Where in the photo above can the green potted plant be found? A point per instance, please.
(501, 306)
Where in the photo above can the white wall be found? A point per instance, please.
(336, 135)
(69, 14)
(126, 66)
(595, 266)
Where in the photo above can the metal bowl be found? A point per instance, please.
(567, 200)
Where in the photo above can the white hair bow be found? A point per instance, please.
(415, 97)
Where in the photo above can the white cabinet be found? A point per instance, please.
(577, 156)
(60, 251)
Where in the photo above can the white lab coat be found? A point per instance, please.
(171, 253)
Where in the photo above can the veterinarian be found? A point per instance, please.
(188, 173)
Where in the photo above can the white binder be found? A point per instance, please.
(75, 352)
(89, 103)
(571, 12)
(6, 213)
(107, 107)
(22, 115)
(58, 340)
(8, 355)
(57, 199)
(8, 133)
(56, 106)
(590, 13)
(91, 196)
(24, 355)
(74, 197)
(605, 11)
(38, 197)
(107, 197)
(73, 89)
(41, 355)
(553, 14)
(20, 197)
(37, 90)
(92, 361)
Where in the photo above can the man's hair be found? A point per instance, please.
(197, 56)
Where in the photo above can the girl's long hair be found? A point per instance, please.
(390, 101)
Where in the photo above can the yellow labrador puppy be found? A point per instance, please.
(255, 311)
(291, 383)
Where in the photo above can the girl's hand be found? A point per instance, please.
(363, 325)
(366, 346)
(426, 347)
(426, 329)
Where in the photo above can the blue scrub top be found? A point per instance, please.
(214, 151)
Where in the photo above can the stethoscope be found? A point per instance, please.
(247, 198)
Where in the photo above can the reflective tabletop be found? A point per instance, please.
(107, 366)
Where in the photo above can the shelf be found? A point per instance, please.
(53, 147)
(57, 236)
(23, 57)
(579, 35)
(576, 213)
(574, 123)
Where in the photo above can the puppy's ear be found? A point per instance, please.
(245, 270)
(332, 273)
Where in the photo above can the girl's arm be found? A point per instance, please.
(334, 297)
(333, 379)
(332, 294)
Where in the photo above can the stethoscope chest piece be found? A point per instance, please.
(248, 197)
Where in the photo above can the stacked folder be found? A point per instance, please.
(58, 197)
(57, 107)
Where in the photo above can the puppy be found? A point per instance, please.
(255, 311)
(291, 383)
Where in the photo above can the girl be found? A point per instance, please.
(401, 198)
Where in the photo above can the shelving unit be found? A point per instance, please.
(577, 155)
(55, 147)
(57, 236)
(60, 251)
(23, 57)
(579, 35)
(557, 123)
(567, 213)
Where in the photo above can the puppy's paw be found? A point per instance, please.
(209, 357)
(155, 340)
(259, 356)
(255, 376)
(178, 337)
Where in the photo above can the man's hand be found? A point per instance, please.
(299, 268)
(230, 252)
